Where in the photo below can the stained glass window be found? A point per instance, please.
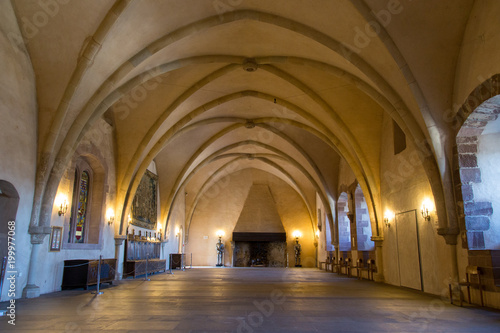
(79, 213)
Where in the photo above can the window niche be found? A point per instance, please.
(399, 138)
(84, 221)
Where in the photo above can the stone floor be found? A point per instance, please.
(247, 300)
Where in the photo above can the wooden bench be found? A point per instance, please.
(471, 273)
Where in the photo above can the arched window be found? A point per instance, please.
(80, 210)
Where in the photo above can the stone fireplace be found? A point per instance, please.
(259, 239)
(259, 250)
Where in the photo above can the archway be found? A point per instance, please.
(478, 158)
(344, 224)
(363, 227)
(9, 202)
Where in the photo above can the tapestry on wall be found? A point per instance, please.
(145, 205)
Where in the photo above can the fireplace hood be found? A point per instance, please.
(259, 220)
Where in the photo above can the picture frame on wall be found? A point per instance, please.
(55, 239)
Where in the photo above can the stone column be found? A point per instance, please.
(119, 258)
(316, 247)
(32, 290)
(379, 258)
(451, 240)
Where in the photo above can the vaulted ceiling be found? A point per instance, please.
(205, 88)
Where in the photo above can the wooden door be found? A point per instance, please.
(410, 271)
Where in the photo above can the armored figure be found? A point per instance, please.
(297, 249)
(220, 252)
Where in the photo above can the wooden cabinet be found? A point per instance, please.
(138, 267)
(83, 272)
(136, 252)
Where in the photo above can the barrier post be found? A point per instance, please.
(3, 312)
(170, 263)
(98, 292)
(146, 278)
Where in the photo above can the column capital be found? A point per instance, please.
(119, 240)
(378, 240)
(450, 235)
(37, 238)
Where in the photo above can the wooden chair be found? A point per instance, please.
(358, 267)
(338, 265)
(369, 268)
(472, 273)
(328, 263)
(347, 265)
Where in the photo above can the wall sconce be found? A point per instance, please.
(297, 234)
(317, 233)
(177, 231)
(129, 219)
(62, 203)
(426, 209)
(110, 216)
(388, 216)
(220, 233)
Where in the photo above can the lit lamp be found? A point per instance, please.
(110, 216)
(297, 248)
(220, 249)
(426, 209)
(388, 216)
(63, 205)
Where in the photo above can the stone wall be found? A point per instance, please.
(474, 214)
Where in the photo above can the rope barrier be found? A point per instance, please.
(86, 263)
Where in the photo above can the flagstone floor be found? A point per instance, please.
(247, 300)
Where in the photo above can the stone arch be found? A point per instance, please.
(216, 20)
(89, 154)
(475, 206)
(222, 173)
(344, 224)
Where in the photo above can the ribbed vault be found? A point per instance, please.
(204, 93)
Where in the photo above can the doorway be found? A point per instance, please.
(9, 201)
(408, 248)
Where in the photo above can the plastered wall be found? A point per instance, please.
(18, 134)
(404, 186)
(98, 142)
(221, 212)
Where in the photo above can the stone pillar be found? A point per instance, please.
(451, 240)
(32, 290)
(379, 258)
(316, 247)
(119, 258)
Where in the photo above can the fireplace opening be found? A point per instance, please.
(259, 254)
